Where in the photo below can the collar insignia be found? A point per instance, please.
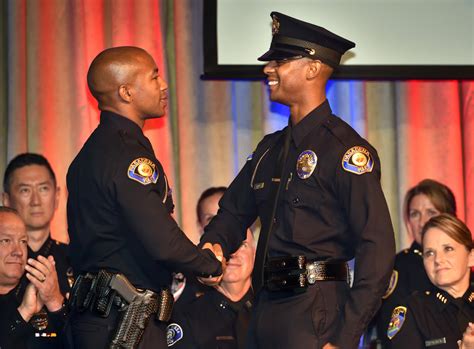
(441, 298)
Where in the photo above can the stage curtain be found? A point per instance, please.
(421, 129)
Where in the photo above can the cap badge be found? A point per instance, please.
(311, 51)
(306, 164)
(392, 285)
(143, 171)
(357, 160)
(396, 322)
(275, 25)
(174, 333)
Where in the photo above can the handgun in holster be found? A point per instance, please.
(136, 311)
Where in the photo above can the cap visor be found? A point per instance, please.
(274, 55)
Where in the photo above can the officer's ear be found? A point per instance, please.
(314, 70)
(471, 258)
(5, 199)
(125, 93)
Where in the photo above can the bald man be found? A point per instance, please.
(119, 213)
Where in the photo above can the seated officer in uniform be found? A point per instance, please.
(30, 187)
(315, 186)
(442, 315)
(24, 295)
(186, 288)
(124, 241)
(427, 199)
(219, 318)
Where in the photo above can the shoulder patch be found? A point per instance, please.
(143, 171)
(392, 285)
(396, 322)
(357, 160)
(174, 333)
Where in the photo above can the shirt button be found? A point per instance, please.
(296, 201)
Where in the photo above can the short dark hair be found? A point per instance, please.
(439, 194)
(6, 209)
(23, 160)
(205, 194)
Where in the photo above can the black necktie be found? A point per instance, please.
(267, 227)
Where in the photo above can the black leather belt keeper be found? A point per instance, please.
(296, 273)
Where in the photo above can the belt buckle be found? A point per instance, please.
(312, 272)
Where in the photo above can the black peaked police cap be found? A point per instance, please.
(292, 37)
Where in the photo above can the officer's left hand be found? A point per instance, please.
(42, 274)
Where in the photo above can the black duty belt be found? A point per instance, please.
(99, 292)
(297, 273)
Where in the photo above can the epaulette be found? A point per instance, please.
(344, 133)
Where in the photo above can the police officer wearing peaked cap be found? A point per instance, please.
(120, 204)
(316, 187)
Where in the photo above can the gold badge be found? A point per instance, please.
(275, 25)
(143, 171)
(306, 164)
(357, 160)
(392, 285)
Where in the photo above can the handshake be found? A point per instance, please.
(217, 250)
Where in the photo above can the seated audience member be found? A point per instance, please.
(219, 319)
(186, 288)
(443, 315)
(30, 188)
(24, 295)
(207, 206)
(427, 199)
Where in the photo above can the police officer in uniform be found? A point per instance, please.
(119, 213)
(219, 318)
(316, 187)
(427, 199)
(23, 295)
(440, 316)
(30, 187)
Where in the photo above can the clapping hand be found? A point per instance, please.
(31, 303)
(42, 274)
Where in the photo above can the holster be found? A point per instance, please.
(98, 292)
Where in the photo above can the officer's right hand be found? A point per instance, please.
(31, 303)
(217, 250)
